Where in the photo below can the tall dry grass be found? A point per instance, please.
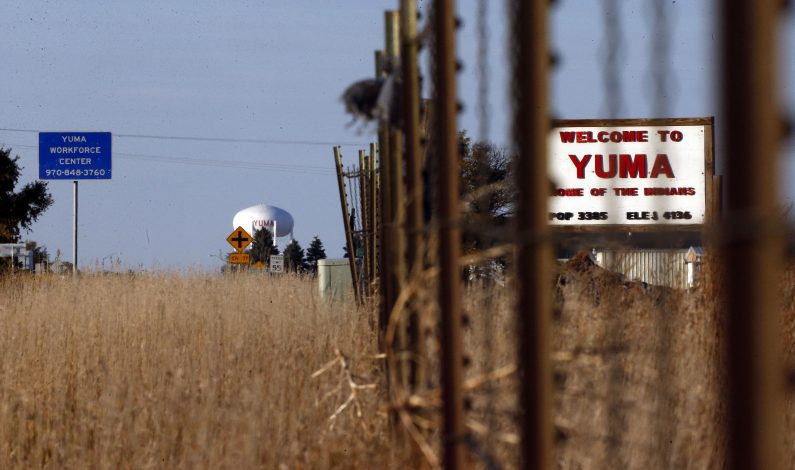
(193, 371)
(637, 371)
(182, 371)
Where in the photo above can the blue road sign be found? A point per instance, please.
(74, 155)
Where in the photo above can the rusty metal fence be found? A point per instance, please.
(499, 355)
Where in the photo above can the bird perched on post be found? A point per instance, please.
(361, 98)
(375, 99)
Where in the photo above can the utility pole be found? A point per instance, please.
(454, 431)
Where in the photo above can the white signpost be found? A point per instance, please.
(277, 264)
(630, 173)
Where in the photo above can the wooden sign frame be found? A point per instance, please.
(711, 182)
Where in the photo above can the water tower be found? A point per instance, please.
(264, 216)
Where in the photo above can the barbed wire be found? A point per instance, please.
(663, 83)
(611, 70)
(483, 70)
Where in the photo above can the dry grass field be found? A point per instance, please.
(637, 372)
(171, 371)
(197, 371)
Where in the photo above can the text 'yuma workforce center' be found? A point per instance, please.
(75, 155)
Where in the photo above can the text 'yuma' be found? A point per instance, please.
(623, 165)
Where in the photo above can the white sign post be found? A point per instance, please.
(74, 227)
(630, 173)
(276, 264)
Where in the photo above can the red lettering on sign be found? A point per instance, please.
(623, 166)
(626, 191)
(629, 168)
(580, 164)
(568, 192)
(669, 191)
(661, 165)
(600, 168)
(587, 137)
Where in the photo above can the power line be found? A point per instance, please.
(230, 164)
(237, 164)
(213, 139)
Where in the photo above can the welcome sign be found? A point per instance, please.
(630, 172)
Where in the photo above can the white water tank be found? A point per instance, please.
(264, 216)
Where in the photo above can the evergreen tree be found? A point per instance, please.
(314, 253)
(18, 210)
(262, 246)
(294, 257)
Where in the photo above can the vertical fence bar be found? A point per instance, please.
(394, 162)
(373, 175)
(396, 223)
(379, 63)
(365, 220)
(533, 242)
(454, 433)
(410, 111)
(751, 240)
(410, 114)
(370, 233)
(385, 201)
(385, 280)
(347, 224)
(411, 128)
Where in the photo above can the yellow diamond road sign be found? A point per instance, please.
(239, 239)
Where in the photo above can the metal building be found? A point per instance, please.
(676, 268)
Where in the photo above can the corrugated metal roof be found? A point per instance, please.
(657, 267)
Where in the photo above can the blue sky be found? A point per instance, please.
(274, 70)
